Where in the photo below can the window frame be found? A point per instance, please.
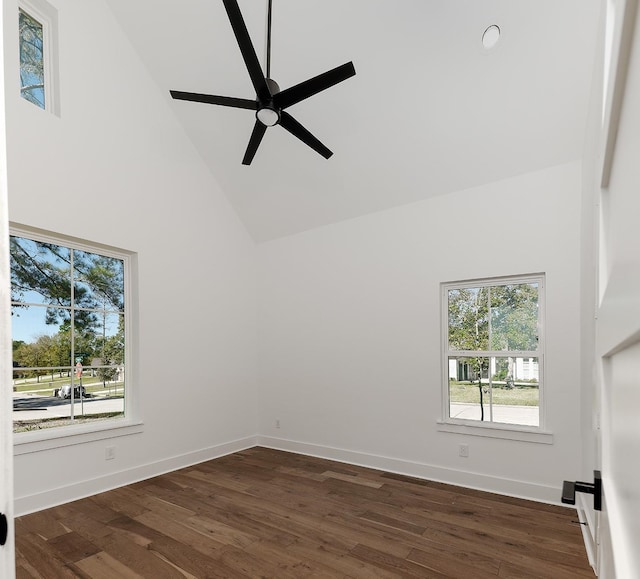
(46, 15)
(130, 423)
(494, 429)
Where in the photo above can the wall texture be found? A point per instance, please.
(350, 339)
(116, 168)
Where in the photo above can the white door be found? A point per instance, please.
(7, 557)
(617, 347)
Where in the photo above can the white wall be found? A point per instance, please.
(350, 342)
(116, 168)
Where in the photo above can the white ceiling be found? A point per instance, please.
(430, 111)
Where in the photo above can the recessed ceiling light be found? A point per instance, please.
(491, 36)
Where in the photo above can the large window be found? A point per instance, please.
(493, 351)
(69, 330)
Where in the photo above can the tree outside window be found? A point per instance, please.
(493, 350)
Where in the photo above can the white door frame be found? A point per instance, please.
(7, 552)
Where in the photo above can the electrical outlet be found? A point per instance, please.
(278, 423)
(109, 452)
(463, 450)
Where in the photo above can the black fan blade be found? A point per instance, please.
(214, 100)
(299, 92)
(297, 130)
(247, 50)
(254, 142)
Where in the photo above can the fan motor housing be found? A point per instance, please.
(267, 113)
(273, 86)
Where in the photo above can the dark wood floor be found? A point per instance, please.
(266, 513)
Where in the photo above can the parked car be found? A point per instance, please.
(65, 391)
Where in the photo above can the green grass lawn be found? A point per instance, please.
(464, 392)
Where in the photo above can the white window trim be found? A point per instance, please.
(37, 441)
(496, 430)
(47, 16)
(131, 423)
(539, 434)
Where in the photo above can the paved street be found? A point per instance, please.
(28, 406)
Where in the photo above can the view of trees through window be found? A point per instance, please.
(68, 326)
(31, 36)
(493, 351)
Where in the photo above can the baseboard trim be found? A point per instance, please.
(509, 487)
(54, 497)
(483, 482)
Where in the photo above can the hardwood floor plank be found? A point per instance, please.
(222, 479)
(38, 554)
(179, 532)
(104, 566)
(525, 531)
(44, 524)
(455, 562)
(532, 570)
(220, 532)
(265, 513)
(85, 526)
(393, 522)
(355, 479)
(244, 564)
(122, 501)
(136, 557)
(340, 562)
(91, 509)
(180, 555)
(515, 551)
(164, 508)
(24, 570)
(284, 564)
(402, 567)
(73, 547)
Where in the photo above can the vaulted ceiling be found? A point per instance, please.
(430, 110)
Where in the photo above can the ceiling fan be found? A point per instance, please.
(270, 102)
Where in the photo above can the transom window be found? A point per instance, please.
(37, 39)
(69, 330)
(31, 60)
(493, 351)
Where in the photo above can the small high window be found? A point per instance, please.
(32, 60)
(493, 351)
(37, 38)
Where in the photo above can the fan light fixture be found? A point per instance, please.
(268, 117)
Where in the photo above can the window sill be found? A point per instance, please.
(507, 432)
(28, 442)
